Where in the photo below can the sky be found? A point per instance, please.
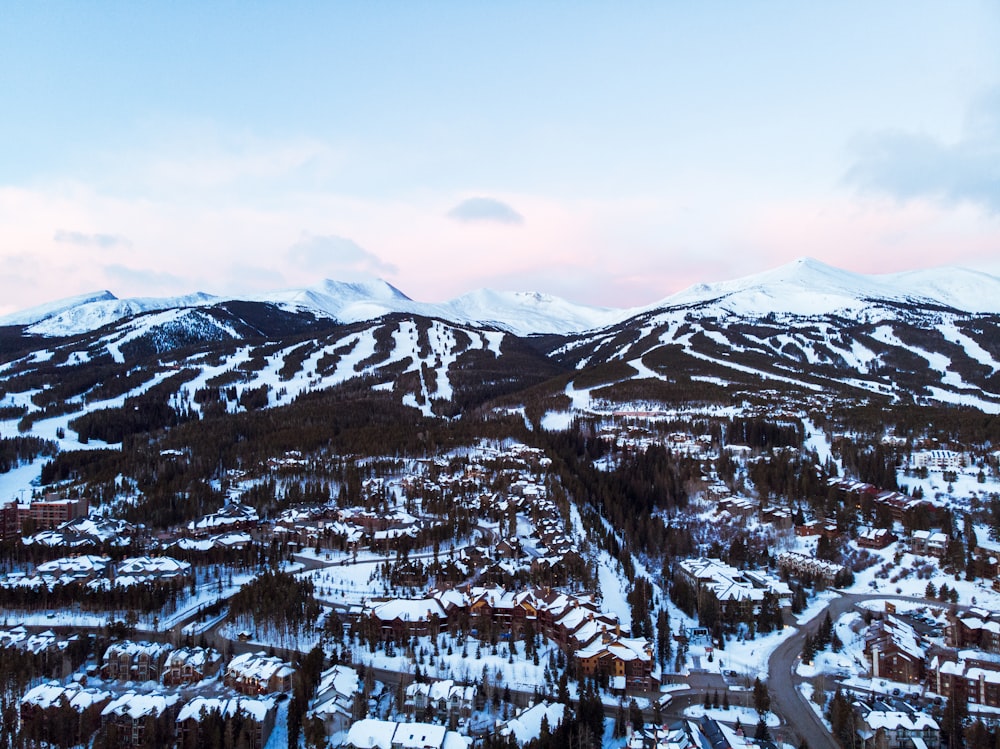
(608, 153)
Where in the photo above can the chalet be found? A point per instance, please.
(442, 699)
(132, 716)
(256, 673)
(338, 691)
(930, 544)
(40, 704)
(82, 568)
(779, 517)
(84, 532)
(903, 508)
(255, 718)
(893, 651)
(232, 517)
(154, 570)
(899, 727)
(627, 663)
(135, 661)
(740, 507)
(191, 665)
(986, 556)
(402, 618)
(738, 594)
(526, 726)
(825, 528)
(370, 733)
(876, 538)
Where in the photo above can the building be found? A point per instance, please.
(883, 726)
(440, 699)
(978, 628)
(257, 673)
(370, 733)
(929, 544)
(129, 719)
(802, 565)
(405, 618)
(938, 460)
(739, 594)
(876, 538)
(10, 522)
(52, 511)
(969, 676)
(41, 706)
(893, 651)
(191, 665)
(135, 661)
(628, 664)
(252, 718)
(336, 697)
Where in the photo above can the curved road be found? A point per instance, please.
(783, 683)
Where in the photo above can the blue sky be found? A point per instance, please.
(608, 153)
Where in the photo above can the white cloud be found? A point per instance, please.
(485, 209)
(331, 254)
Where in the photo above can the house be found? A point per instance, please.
(77, 569)
(402, 618)
(232, 517)
(42, 712)
(930, 544)
(128, 720)
(526, 726)
(739, 595)
(876, 538)
(441, 699)
(250, 717)
(257, 673)
(336, 695)
(154, 570)
(191, 665)
(135, 661)
(627, 663)
(370, 733)
(902, 728)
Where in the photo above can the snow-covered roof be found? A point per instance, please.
(259, 666)
(79, 698)
(138, 706)
(895, 720)
(256, 708)
(408, 610)
(527, 726)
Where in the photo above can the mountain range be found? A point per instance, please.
(803, 331)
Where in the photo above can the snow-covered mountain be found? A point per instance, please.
(88, 312)
(520, 313)
(809, 287)
(804, 331)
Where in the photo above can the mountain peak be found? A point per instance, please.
(42, 312)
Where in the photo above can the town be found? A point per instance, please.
(490, 595)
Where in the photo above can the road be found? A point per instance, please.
(783, 682)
